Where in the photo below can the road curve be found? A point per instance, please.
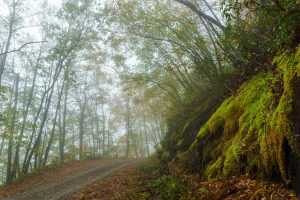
(63, 187)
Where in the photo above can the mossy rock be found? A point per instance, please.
(182, 138)
(253, 131)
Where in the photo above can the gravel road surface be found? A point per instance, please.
(63, 187)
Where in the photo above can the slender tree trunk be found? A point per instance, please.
(53, 127)
(59, 128)
(16, 160)
(44, 118)
(64, 122)
(98, 132)
(8, 41)
(94, 140)
(146, 136)
(24, 170)
(81, 127)
(73, 143)
(36, 147)
(81, 133)
(108, 136)
(11, 133)
(103, 129)
(141, 139)
(127, 129)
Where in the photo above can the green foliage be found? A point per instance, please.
(258, 30)
(4, 92)
(168, 187)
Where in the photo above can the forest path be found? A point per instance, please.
(61, 187)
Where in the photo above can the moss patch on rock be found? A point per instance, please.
(253, 131)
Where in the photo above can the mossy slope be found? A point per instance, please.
(253, 131)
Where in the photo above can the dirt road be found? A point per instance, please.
(71, 183)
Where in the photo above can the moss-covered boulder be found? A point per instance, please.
(254, 131)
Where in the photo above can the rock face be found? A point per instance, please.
(256, 131)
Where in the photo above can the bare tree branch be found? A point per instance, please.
(201, 14)
(21, 47)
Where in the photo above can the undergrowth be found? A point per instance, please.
(168, 187)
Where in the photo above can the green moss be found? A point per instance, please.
(252, 131)
(232, 160)
(215, 169)
(216, 124)
(203, 131)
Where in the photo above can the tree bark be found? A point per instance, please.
(11, 133)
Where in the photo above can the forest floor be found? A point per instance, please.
(59, 182)
(143, 182)
(133, 179)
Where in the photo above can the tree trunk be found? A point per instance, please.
(146, 136)
(103, 129)
(8, 41)
(35, 148)
(127, 129)
(141, 138)
(16, 160)
(53, 127)
(98, 131)
(63, 136)
(11, 133)
(81, 127)
(108, 136)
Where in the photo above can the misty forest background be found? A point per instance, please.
(62, 98)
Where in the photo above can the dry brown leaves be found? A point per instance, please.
(133, 183)
(235, 188)
(129, 183)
